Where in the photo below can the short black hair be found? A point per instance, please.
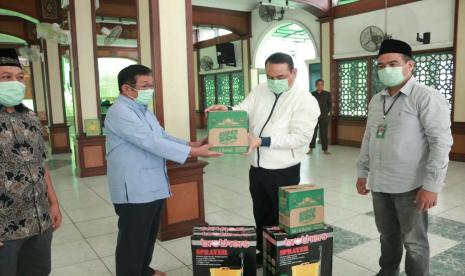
(280, 58)
(407, 58)
(318, 80)
(128, 75)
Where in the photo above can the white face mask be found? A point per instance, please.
(145, 96)
(391, 76)
(11, 93)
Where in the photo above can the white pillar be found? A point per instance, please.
(57, 108)
(39, 93)
(174, 67)
(143, 25)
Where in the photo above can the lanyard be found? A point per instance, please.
(389, 109)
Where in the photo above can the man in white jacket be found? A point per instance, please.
(282, 117)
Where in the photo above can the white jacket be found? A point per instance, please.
(290, 126)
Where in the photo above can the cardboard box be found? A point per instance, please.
(227, 131)
(224, 250)
(301, 208)
(304, 254)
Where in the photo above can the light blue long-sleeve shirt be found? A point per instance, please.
(415, 149)
(137, 147)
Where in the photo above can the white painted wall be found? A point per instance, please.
(260, 28)
(404, 22)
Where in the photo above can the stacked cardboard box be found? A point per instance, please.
(227, 131)
(224, 250)
(301, 208)
(303, 254)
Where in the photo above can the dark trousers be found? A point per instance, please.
(401, 225)
(27, 257)
(322, 125)
(264, 188)
(137, 232)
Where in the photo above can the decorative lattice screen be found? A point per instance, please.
(436, 70)
(353, 88)
(219, 88)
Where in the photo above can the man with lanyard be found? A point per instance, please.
(282, 117)
(404, 155)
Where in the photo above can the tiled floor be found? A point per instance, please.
(85, 244)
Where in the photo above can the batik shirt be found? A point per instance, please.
(24, 206)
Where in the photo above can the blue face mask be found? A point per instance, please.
(145, 96)
(11, 93)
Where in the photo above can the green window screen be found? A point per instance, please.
(209, 90)
(353, 88)
(237, 80)
(223, 88)
(223, 84)
(436, 70)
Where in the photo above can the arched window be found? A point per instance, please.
(290, 38)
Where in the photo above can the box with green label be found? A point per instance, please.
(301, 208)
(227, 131)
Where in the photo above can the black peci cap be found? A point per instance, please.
(9, 57)
(395, 46)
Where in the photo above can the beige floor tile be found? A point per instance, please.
(90, 268)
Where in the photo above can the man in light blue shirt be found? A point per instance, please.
(404, 155)
(137, 150)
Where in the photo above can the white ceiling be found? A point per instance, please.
(240, 5)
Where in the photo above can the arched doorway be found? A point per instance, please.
(291, 38)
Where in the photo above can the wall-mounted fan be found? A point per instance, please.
(111, 35)
(53, 32)
(371, 38)
(268, 12)
(32, 54)
(206, 63)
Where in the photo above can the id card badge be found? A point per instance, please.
(381, 131)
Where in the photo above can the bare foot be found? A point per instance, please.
(159, 273)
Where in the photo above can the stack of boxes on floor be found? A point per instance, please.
(302, 245)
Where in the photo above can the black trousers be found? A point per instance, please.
(264, 188)
(27, 257)
(322, 125)
(137, 232)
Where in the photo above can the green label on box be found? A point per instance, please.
(228, 136)
(289, 200)
(302, 229)
(228, 119)
(227, 131)
(230, 150)
(307, 215)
